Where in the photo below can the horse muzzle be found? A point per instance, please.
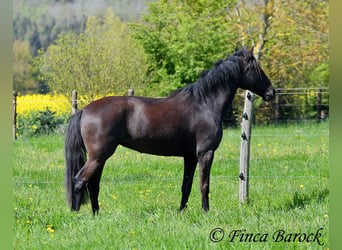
(269, 95)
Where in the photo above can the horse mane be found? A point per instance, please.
(221, 77)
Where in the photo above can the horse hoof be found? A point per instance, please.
(183, 208)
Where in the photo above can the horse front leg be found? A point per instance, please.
(205, 161)
(189, 170)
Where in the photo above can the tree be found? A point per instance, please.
(102, 60)
(299, 38)
(298, 46)
(23, 81)
(41, 21)
(183, 38)
(296, 41)
(294, 49)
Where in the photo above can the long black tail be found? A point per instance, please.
(75, 157)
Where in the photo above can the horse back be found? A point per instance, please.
(151, 125)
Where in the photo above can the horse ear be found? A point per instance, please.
(251, 51)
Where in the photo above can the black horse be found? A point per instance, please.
(186, 124)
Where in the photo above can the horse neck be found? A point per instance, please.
(219, 100)
(220, 86)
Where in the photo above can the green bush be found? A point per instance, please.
(39, 123)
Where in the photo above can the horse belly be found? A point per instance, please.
(158, 138)
(157, 146)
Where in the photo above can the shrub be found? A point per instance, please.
(41, 114)
(44, 113)
(39, 123)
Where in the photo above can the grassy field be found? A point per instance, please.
(140, 195)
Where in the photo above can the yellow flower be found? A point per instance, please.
(58, 103)
(38, 102)
(50, 229)
(301, 186)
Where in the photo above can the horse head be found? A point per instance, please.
(252, 77)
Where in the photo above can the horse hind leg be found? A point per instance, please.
(94, 189)
(86, 183)
(87, 180)
(80, 193)
(189, 170)
(78, 197)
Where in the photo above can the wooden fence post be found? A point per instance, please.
(277, 108)
(246, 125)
(15, 115)
(319, 105)
(74, 102)
(130, 92)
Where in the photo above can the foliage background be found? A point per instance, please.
(102, 60)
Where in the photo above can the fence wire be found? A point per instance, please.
(178, 179)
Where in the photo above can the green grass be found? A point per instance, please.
(140, 195)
